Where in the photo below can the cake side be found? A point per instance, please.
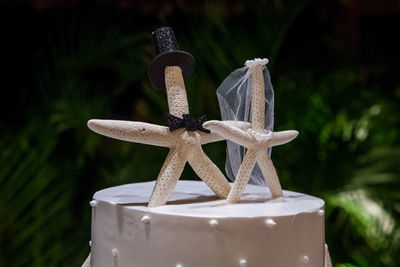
(197, 229)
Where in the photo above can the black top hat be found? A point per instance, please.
(168, 54)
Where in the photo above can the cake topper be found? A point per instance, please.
(183, 137)
(234, 97)
(256, 139)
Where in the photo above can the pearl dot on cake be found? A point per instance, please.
(321, 212)
(114, 252)
(213, 223)
(90, 243)
(93, 203)
(179, 265)
(243, 263)
(145, 219)
(305, 259)
(270, 223)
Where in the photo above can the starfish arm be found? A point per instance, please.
(132, 131)
(242, 176)
(230, 131)
(208, 172)
(176, 92)
(167, 178)
(215, 137)
(283, 137)
(269, 173)
(212, 137)
(257, 98)
(243, 125)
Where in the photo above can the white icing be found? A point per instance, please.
(146, 219)
(200, 201)
(213, 223)
(328, 262)
(270, 223)
(93, 203)
(181, 232)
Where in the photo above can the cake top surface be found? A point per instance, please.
(194, 198)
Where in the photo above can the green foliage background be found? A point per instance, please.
(68, 64)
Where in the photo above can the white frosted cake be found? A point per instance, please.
(196, 229)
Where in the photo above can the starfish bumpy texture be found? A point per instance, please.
(255, 138)
(185, 145)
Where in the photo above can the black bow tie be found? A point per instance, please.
(188, 122)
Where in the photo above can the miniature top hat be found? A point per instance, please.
(168, 54)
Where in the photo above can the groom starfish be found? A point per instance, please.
(185, 146)
(256, 139)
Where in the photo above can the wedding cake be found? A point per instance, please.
(171, 223)
(197, 229)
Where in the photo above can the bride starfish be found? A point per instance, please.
(185, 145)
(256, 139)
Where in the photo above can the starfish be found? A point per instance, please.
(255, 138)
(184, 145)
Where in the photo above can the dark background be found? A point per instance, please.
(335, 69)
